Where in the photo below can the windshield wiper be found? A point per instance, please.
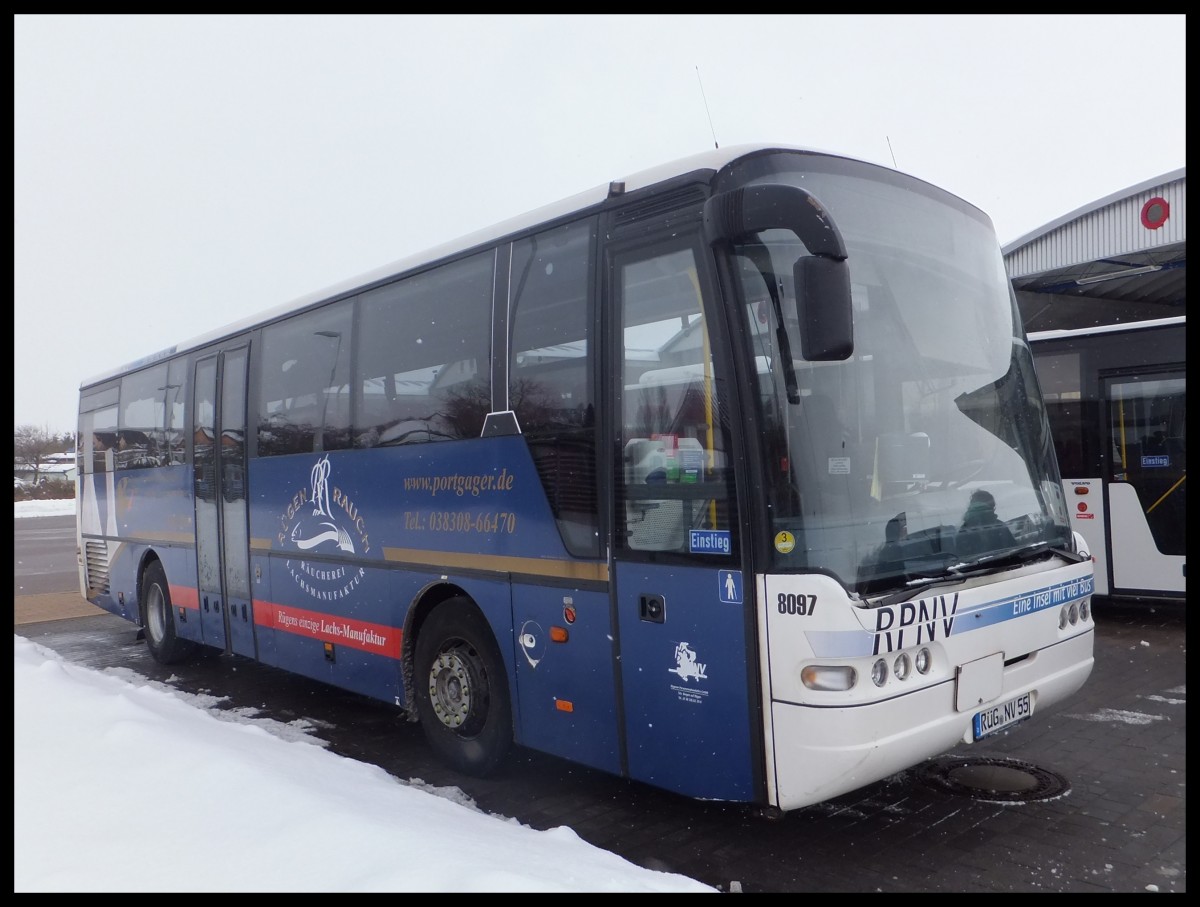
(915, 587)
(980, 566)
(987, 562)
(785, 350)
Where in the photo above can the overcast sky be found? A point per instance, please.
(173, 174)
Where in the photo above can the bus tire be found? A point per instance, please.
(461, 689)
(158, 619)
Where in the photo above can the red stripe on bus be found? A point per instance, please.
(185, 597)
(378, 639)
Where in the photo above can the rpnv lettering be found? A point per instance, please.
(913, 623)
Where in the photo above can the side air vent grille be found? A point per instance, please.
(97, 568)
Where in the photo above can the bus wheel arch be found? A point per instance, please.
(157, 616)
(429, 598)
(460, 686)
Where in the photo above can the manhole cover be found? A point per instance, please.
(995, 780)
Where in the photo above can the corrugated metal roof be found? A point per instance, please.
(1121, 258)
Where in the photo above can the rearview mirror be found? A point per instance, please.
(824, 309)
(822, 278)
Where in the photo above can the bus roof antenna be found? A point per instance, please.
(891, 152)
(706, 110)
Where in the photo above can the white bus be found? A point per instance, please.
(1116, 399)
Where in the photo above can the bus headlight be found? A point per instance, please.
(1068, 616)
(901, 666)
(879, 673)
(828, 677)
(924, 661)
(1085, 609)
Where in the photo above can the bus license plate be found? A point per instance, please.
(999, 717)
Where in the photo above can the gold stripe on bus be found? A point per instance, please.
(179, 538)
(533, 566)
(132, 538)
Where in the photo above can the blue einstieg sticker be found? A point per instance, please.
(1156, 460)
(709, 541)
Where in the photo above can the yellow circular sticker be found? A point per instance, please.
(784, 542)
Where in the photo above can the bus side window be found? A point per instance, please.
(98, 430)
(424, 344)
(550, 369)
(304, 398)
(104, 446)
(141, 439)
(174, 394)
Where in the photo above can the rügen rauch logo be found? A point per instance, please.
(322, 522)
(686, 665)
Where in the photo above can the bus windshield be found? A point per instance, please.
(926, 453)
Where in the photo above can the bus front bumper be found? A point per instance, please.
(821, 753)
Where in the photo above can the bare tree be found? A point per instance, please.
(31, 445)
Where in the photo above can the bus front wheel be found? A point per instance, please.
(461, 689)
(158, 619)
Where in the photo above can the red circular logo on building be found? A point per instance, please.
(1155, 213)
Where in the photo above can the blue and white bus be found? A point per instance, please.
(732, 477)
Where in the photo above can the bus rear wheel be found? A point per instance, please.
(461, 689)
(158, 619)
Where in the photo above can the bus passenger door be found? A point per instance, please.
(219, 483)
(682, 600)
(1147, 506)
